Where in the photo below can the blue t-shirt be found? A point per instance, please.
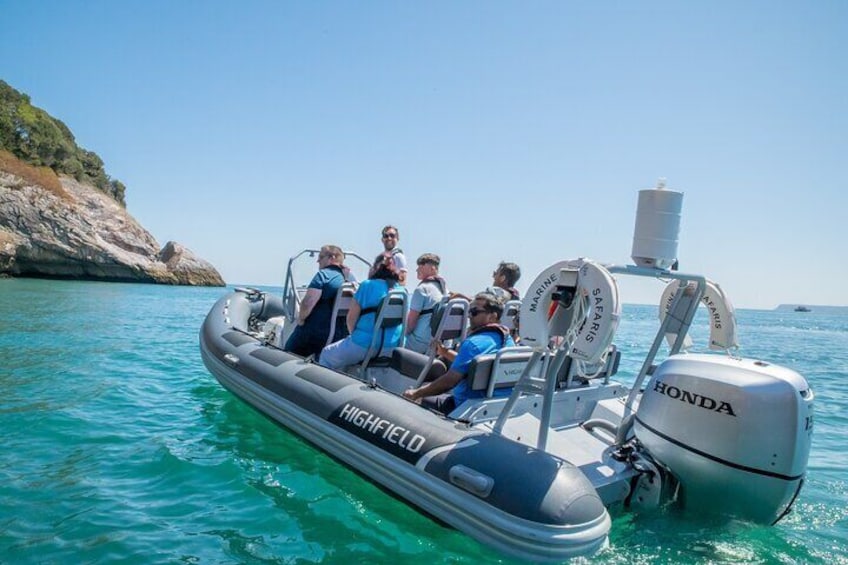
(328, 281)
(370, 294)
(471, 347)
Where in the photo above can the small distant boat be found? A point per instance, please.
(802, 309)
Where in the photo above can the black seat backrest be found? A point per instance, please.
(411, 364)
(502, 369)
(450, 319)
(341, 306)
(391, 313)
(511, 309)
(448, 322)
(570, 371)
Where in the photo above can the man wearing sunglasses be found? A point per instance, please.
(391, 237)
(485, 335)
(504, 278)
(503, 281)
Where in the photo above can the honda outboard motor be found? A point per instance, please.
(734, 432)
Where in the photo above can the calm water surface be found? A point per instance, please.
(118, 446)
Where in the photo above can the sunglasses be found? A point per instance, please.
(473, 311)
(389, 235)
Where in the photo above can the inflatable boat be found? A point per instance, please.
(533, 473)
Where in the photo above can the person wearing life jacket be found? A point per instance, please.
(362, 316)
(427, 295)
(349, 275)
(391, 237)
(504, 278)
(485, 335)
(316, 308)
(503, 286)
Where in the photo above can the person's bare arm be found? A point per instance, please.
(447, 354)
(412, 321)
(313, 295)
(443, 384)
(353, 315)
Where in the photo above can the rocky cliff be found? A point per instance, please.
(79, 232)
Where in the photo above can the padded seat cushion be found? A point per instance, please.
(411, 363)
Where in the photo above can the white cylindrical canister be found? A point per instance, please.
(655, 236)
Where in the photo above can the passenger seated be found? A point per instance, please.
(504, 278)
(503, 281)
(486, 335)
(511, 318)
(427, 295)
(316, 308)
(362, 316)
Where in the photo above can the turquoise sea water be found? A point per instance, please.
(118, 446)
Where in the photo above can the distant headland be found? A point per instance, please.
(62, 216)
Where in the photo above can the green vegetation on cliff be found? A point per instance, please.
(36, 138)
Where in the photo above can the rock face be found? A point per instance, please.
(84, 234)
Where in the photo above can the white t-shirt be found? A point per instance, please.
(426, 296)
(400, 261)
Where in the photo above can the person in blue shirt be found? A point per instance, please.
(485, 335)
(362, 316)
(316, 308)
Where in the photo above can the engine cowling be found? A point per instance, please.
(734, 432)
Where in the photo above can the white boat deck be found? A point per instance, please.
(591, 452)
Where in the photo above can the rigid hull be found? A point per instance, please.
(523, 501)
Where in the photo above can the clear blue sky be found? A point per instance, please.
(484, 130)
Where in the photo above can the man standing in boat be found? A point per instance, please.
(391, 237)
(316, 308)
(485, 335)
